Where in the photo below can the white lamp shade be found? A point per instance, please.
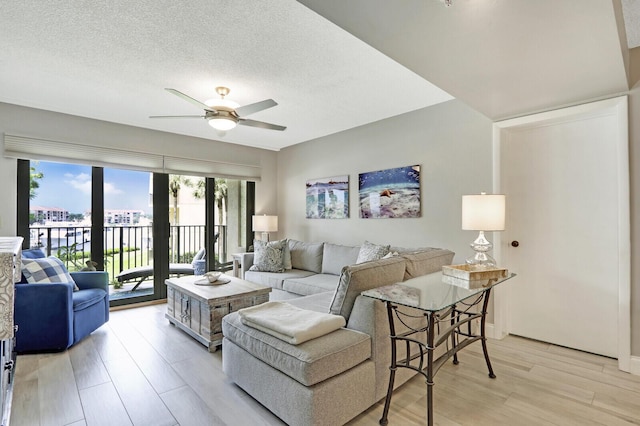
(483, 212)
(222, 123)
(265, 223)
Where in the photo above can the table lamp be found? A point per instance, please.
(483, 213)
(265, 224)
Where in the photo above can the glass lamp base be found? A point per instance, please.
(481, 259)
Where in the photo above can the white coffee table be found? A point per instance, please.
(198, 309)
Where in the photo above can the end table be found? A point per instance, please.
(448, 310)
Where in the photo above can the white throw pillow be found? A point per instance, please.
(370, 251)
(268, 256)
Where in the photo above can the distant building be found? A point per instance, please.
(49, 214)
(122, 217)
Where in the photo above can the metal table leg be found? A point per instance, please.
(392, 368)
(456, 319)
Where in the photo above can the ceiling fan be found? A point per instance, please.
(223, 114)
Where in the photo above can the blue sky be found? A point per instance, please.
(68, 186)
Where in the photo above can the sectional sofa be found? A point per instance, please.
(331, 379)
(312, 268)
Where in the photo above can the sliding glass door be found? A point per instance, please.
(128, 234)
(140, 227)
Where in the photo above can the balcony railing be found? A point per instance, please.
(126, 247)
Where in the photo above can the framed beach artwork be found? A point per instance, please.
(328, 198)
(390, 193)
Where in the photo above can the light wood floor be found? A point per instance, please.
(139, 370)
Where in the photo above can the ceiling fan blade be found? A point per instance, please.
(176, 116)
(190, 99)
(253, 108)
(260, 124)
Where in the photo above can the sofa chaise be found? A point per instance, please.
(331, 379)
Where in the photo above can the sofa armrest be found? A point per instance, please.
(370, 316)
(43, 305)
(91, 279)
(246, 263)
(53, 294)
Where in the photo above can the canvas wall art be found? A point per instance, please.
(328, 198)
(390, 193)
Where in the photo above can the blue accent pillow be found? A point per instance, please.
(34, 253)
(46, 270)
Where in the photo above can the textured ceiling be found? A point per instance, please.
(112, 60)
(504, 58)
(631, 10)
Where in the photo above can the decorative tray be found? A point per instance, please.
(205, 281)
(470, 272)
(468, 284)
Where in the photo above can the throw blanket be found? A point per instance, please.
(290, 323)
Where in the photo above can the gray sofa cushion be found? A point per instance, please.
(275, 279)
(335, 257)
(426, 261)
(319, 302)
(331, 402)
(313, 284)
(310, 362)
(364, 276)
(306, 256)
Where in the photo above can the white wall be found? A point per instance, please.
(634, 170)
(42, 124)
(450, 141)
(8, 193)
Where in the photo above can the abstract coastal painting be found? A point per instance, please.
(328, 198)
(390, 193)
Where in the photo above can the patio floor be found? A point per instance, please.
(145, 288)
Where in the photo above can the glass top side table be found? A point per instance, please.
(448, 307)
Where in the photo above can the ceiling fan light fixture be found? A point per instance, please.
(224, 103)
(222, 123)
(221, 102)
(224, 115)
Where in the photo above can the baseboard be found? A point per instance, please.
(634, 365)
(137, 305)
(490, 332)
(634, 361)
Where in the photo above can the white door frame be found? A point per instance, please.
(618, 108)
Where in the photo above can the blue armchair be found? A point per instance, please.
(52, 317)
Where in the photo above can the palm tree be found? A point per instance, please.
(34, 177)
(219, 194)
(175, 183)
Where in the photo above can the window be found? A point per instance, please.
(111, 219)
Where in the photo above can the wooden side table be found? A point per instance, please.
(198, 309)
